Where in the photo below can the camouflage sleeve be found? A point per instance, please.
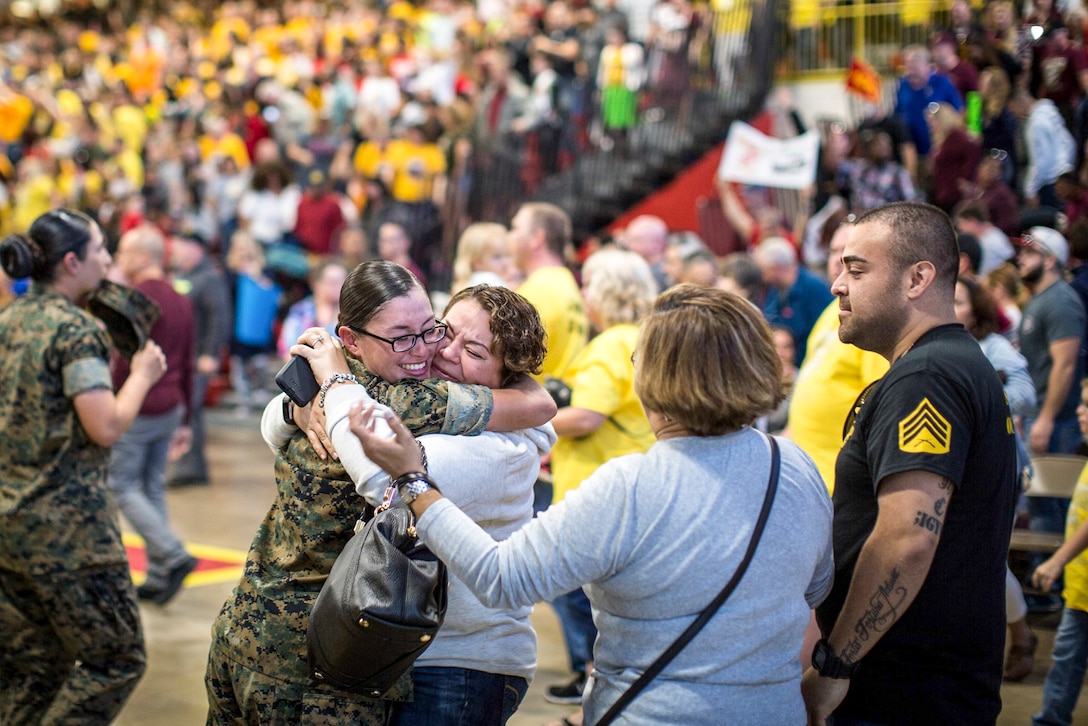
(83, 351)
(431, 406)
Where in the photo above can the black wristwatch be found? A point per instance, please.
(828, 664)
(288, 412)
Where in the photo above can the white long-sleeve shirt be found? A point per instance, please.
(490, 477)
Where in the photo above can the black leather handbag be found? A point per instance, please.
(380, 608)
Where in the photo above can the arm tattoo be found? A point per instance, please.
(938, 507)
(946, 483)
(927, 522)
(883, 610)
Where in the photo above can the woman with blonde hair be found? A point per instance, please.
(604, 419)
(636, 532)
(954, 155)
(998, 124)
(483, 257)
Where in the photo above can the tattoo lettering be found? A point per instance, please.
(883, 608)
(939, 507)
(928, 522)
(851, 651)
(945, 483)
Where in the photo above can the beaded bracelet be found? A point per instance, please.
(332, 381)
(411, 476)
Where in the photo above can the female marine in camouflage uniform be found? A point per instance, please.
(73, 648)
(257, 668)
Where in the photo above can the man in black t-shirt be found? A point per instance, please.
(925, 488)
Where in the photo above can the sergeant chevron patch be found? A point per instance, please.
(925, 431)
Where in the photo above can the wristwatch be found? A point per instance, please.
(411, 486)
(829, 665)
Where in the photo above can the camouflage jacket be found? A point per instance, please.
(56, 510)
(263, 623)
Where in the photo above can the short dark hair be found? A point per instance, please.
(555, 224)
(1077, 235)
(52, 236)
(974, 209)
(518, 333)
(921, 232)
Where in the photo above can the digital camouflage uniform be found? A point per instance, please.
(257, 669)
(69, 623)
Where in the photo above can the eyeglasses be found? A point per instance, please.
(999, 154)
(404, 343)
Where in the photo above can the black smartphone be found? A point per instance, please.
(296, 379)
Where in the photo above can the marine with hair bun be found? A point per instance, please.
(74, 647)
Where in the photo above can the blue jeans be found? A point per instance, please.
(579, 632)
(460, 697)
(1066, 675)
(137, 476)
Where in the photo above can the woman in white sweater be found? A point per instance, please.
(478, 668)
(657, 535)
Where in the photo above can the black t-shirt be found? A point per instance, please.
(941, 409)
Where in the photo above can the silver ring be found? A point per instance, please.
(319, 340)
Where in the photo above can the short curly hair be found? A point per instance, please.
(519, 337)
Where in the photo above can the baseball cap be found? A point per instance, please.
(1047, 241)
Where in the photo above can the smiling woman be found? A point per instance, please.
(478, 667)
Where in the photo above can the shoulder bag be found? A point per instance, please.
(380, 608)
(704, 617)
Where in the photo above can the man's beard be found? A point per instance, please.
(1032, 276)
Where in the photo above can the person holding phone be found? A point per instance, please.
(257, 666)
(479, 666)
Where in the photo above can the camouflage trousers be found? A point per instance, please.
(240, 695)
(73, 647)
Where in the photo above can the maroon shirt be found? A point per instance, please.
(1003, 207)
(956, 160)
(319, 218)
(964, 77)
(175, 333)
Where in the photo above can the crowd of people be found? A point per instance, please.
(929, 299)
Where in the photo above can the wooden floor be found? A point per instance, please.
(222, 518)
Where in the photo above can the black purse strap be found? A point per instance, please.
(708, 612)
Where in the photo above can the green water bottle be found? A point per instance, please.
(974, 112)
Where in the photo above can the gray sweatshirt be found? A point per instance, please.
(656, 536)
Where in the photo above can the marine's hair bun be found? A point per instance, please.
(20, 257)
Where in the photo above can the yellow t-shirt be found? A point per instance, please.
(15, 113)
(830, 380)
(416, 166)
(131, 125)
(1076, 572)
(32, 199)
(602, 380)
(555, 294)
(368, 159)
(230, 144)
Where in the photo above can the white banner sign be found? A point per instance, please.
(752, 158)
